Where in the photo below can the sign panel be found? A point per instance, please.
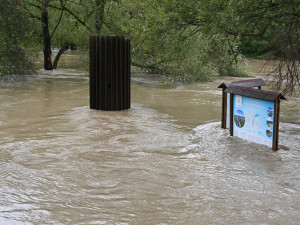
(253, 119)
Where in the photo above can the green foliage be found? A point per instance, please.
(177, 39)
(272, 27)
(183, 41)
(16, 31)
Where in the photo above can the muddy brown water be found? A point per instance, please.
(164, 161)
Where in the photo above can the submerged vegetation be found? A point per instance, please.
(183, 41)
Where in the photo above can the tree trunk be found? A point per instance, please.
(46, 38)
(73, 46)
(60, 52)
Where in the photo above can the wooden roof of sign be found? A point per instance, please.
(255, 93)
(258, 82)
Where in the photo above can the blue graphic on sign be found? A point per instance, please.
(253, 119)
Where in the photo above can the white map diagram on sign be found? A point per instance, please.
(253, 123)
(253, 120)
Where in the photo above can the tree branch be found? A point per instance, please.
(59, 20)
(34, 5)
(63, 7)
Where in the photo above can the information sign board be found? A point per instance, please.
(253, 119)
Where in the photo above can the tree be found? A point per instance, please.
(218, 30)
(53, 14)
(39, 10)
(46, 35)
(175, 38)
(82, 18)
(278, 21)
(274, 24)
(16, 34)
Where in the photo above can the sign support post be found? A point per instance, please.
(231, 114)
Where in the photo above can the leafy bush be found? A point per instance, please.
(15, 35)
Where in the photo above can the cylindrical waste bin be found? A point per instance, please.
(109, 72)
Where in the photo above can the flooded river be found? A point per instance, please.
(164, 161)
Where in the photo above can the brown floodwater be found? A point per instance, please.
(164, 161)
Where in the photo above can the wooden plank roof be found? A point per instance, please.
(254, 93)
(258, 82)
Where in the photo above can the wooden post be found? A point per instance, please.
(276, 124)
(224, 108)
(109, 73)
(231, 114)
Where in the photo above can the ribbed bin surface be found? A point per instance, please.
(109, 73)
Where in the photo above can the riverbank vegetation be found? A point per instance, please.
(16, 39)
(183, 41)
